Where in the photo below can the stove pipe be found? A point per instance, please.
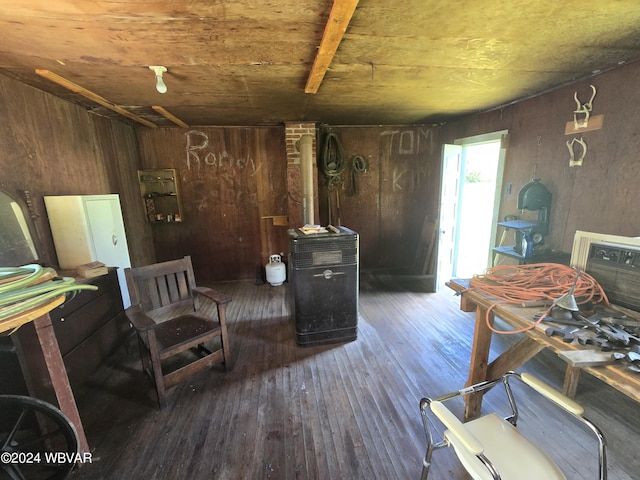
(305, 145)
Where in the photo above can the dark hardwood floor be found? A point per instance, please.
(341, 411)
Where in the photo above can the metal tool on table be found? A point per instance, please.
(623, 335)
(608, 337)
(567, 333)
(631, 358)
(560, 316)
(562, 311)
(568, 301)
(602, 343)
(560, 321)
(609, 334)
(612, 315)
(613, 333)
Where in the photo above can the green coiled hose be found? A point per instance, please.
(28, 290)
(28, 275)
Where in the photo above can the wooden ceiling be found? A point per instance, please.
(251, 62)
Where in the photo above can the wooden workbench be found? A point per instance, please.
(530, 343)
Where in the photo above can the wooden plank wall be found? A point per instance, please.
(229, 179)
(51, 147)
(599, 196)
(392, 198)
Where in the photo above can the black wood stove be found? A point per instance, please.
(323, 283)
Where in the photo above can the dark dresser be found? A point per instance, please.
(88, 328)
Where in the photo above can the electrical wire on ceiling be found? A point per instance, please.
(539, 282)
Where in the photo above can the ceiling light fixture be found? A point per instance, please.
(159, 70)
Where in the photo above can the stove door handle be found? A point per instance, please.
(328, 274)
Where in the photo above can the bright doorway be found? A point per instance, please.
(472, 170)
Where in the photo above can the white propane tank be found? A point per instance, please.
(276, 271)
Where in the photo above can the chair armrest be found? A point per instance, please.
(138, 318)
(552, 394)
(457, 428)
(219, 298)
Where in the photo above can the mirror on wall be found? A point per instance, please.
(17, 246)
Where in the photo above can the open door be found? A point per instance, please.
(449, 194)
(471, 186)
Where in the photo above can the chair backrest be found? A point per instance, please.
(162, 285)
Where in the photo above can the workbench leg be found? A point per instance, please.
(514, 357)
(479, 361)
(571, 378)
(58, 376)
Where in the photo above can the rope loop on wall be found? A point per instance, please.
(358, 165)
(332, 160)
(332, 164)
(538, 282)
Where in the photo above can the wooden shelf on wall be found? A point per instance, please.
(595, 123)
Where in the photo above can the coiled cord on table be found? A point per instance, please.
(539, 282)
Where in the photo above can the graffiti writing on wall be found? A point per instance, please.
(200, 153)
(407, 150)
(408, 142)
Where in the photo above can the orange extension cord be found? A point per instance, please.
(542, 282)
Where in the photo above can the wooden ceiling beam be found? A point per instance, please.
(339, 18)
(163, 111)
(75, 88)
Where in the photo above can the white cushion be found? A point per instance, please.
(515, 457)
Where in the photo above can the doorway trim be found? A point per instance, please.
(502, 136)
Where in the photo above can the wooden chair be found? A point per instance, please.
(174, 319)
